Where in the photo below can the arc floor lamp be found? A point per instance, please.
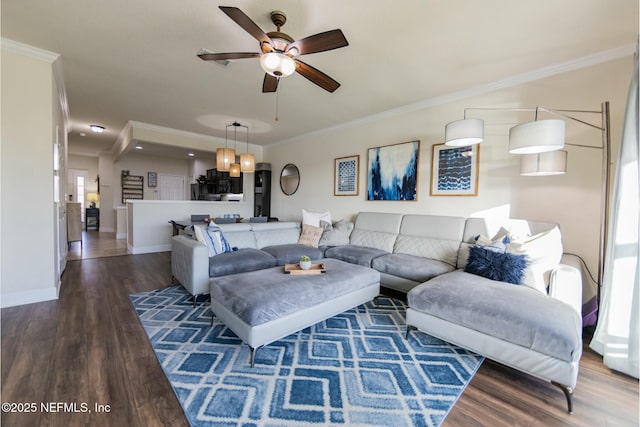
(540, 142)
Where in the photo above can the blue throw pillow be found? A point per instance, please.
(504, 267)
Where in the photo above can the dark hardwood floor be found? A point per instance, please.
(89, 348)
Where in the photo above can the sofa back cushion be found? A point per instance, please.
(239, 235)
(430, 236)
(276, 233)
(376, 230)
(541, 242)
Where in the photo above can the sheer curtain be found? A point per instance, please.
(616, 336)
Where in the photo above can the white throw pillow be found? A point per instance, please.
(213, 238)
(544, 253)
(314, 219)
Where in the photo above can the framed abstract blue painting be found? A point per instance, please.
(392, 172)
(454, 171)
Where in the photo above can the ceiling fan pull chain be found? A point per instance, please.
(277, 105)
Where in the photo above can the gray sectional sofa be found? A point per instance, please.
(534, 327)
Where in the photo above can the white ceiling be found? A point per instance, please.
(136, 60)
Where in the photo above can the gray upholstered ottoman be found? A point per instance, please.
(263, 306)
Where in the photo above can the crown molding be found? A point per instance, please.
(627, 50)
(29, 51)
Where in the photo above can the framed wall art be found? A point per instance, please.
(152, 179)
(346, 176)
(454, 170)
(392, 172)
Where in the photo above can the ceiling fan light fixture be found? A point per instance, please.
(277, 64)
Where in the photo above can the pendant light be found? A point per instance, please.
(247, 160)
(225, 156)
(234, 168)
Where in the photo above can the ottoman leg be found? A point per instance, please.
(409, 329)
(252, 359)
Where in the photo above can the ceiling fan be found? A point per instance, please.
(279, 51)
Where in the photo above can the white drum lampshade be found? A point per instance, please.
(544, 164)
(536, 137)
(464, 132)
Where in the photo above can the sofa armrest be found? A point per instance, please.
(565, 284)
(190, 264)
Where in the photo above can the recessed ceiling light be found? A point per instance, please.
(138, 147)
(83, 134)
(96, 128)
(190, 154)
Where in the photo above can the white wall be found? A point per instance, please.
(572, 200)
(148, 227)
(140, 164)
(28, 254)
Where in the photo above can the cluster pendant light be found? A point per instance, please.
(226, 157)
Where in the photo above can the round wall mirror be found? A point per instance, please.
(289, 179)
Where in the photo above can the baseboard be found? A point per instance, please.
(148, 249)
(28, 297)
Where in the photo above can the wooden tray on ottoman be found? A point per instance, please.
(295, 269)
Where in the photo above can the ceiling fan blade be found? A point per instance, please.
(225, 56)
(320, 42)
(240, 18)
(316, 76)
(270, 83)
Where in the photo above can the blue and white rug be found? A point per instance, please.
(352, 369)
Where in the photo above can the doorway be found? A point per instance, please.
(77, 188)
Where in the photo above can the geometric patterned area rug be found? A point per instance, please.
(356, 368)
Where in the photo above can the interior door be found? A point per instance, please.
(60, 208)
(172, 187)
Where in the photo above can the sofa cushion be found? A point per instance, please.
(247, 259)
(275, 233)
(437, 249)
(410, 267)
(517, 314)
(495, 265)
(336, 234)
(354, 254)
(239, 235)
(543, 251)
(291, 253)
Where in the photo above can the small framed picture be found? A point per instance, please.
(152, 179)
(454, 170)
(347, 176)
